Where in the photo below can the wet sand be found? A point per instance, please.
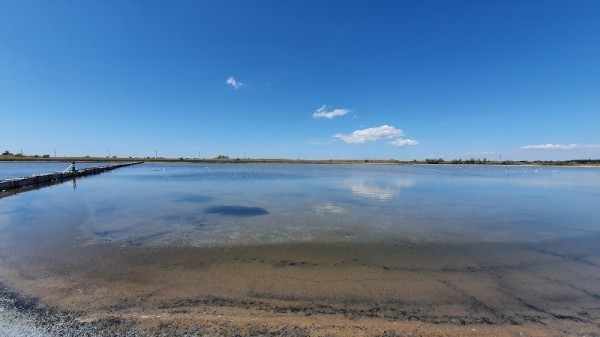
(337, 289)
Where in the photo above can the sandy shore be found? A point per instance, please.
(389, 289)
(20, 316)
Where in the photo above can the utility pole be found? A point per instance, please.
(54, 153)
(108, 153)
(155, 154)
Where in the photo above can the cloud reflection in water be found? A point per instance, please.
(381, 192)
(328, 208)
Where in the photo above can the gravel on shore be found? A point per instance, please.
(22, 317)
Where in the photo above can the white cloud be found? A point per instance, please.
(560, 146)
(234, 83)
(323, 113)
(370, 134)
(400, 142)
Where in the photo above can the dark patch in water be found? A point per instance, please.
(103, 234)
(236, 210)
(108, 233)
(194, 198)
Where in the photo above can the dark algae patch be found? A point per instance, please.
(236, 210)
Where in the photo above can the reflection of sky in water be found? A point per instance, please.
(215, 204)
(382, 190)
(328, 208)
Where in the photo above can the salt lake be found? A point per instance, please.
(440, 244)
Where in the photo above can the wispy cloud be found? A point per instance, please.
(234, 83)
(370, 134)
(401, 142)
(560, 146)
(323, 113)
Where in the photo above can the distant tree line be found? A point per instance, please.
(456, 161)
(513, 162)
(472, 161)
(8, 153)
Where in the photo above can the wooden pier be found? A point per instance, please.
(16, 185)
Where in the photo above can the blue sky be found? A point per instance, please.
(301, 79)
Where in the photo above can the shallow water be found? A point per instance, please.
(231, 204)
(495, 244)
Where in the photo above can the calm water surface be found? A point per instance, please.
(238, 204)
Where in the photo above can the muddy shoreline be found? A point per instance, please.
(22, 316)
(548, 289)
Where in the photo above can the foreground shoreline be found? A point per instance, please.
(22, 316)
(410, 289)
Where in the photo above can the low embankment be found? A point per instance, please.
(10, 186)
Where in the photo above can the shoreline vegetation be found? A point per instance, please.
(225, 159)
